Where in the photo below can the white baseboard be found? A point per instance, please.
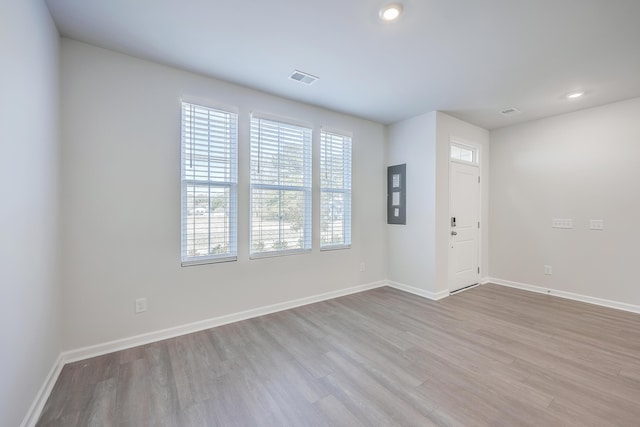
(146, 338)
(121, 344)
(417, 291)
(37, 406)
(134, 341)
(568, 295)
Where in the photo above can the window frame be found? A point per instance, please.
(463, 146)
(306, 188)
(346, 190)
(231, 185)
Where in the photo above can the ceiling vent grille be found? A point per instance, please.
(303, 77)
(511, 111)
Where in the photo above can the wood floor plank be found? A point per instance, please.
(100, 410)
(489, 356)
(336, 413)
(132, 399)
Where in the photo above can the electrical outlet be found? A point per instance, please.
(562, 223)
(141, 305)
(596, 224)
(362, 266)
(548, 270)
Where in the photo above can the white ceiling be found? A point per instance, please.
(469, 58)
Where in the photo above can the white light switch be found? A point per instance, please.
(562, 223)
(596, 224)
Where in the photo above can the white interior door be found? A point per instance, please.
(464, 233)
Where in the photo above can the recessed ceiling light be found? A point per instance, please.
(575, 95)
(391, 12)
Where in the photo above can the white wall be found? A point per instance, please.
(411, 247)
(29, 286)
(583, 166)
(121, 203)
(419, 251)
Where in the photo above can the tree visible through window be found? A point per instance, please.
(280, 187)
(209, 184)
(335, 191)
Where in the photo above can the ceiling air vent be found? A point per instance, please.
(511, 111)
(303, 77)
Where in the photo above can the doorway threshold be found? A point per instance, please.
(457, 291)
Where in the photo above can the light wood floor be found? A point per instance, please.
(487, 356)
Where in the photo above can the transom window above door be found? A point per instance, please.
(463, 153)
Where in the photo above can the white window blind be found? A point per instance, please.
(209, 184)
(335, 191)
(280, 187)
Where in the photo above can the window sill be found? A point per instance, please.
(279, 253)
(334, 248)
(208, 261)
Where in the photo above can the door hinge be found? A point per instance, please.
(478, 224)
(478, 270)
(478, 180)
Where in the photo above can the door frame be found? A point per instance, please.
(477, 148)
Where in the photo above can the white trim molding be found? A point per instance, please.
(567, 295)
(150, 337)
(435, 296)
(37, 406)
(70, 356)
(124, 343)
(33, 414)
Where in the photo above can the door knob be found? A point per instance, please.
(454, 233)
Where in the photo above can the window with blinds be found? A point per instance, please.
(209, 185)
(280, 188)
(335, 191)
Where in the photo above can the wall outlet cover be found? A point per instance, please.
(141, 305)
(562, 223)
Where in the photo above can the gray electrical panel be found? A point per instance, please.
(397, 194)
